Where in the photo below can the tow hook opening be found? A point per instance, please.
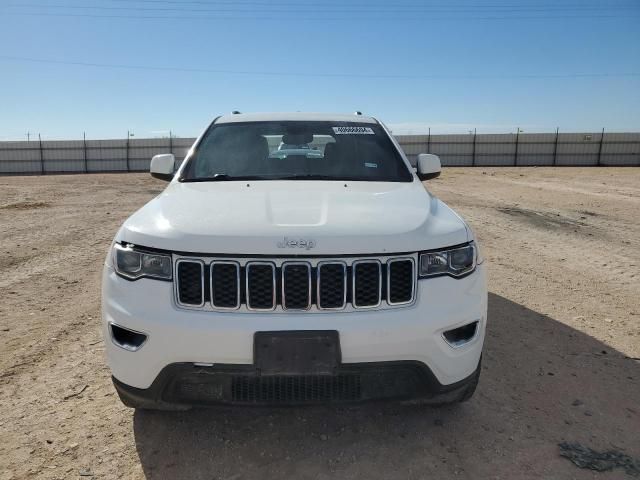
(461, 335)
(127, 339)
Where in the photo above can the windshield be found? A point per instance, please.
(296, 150)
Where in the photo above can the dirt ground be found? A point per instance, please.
(561, 359)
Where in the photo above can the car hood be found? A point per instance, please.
(294, 218)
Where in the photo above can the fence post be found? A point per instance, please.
(429, 141)
(473, 154)
(515, 158)
(128, 134)
(600, 148)
(555, 148)
(84, 149)
(41, 155)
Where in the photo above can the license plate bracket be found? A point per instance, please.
(304, 352)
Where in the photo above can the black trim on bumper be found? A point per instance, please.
(183, 385)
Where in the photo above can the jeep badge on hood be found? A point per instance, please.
(305, 243)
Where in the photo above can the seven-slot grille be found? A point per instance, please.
(296, 285)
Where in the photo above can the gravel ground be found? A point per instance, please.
(560, 366)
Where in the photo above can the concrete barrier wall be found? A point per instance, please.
(542, 149)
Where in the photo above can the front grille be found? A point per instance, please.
(298, 285)
(367, 285)
(190, 282)
(332, 285)
(242, 384)
(225, 285)
(261, 286)
(295, 389)
(400, 281)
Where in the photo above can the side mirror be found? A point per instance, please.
(163, 166)
(428, 166)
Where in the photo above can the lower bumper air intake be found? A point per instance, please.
(183, 385)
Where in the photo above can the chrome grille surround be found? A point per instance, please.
(177, 285)
(318, 284)
(354, 267)
(277, 263)
(283, 269)
(413, 285)
(274, 282)
(211, 283)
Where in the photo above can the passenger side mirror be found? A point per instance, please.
(163, 166)
(428, 166)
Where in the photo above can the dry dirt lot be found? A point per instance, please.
(561, 360)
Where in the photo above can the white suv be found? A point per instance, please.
(261, 278)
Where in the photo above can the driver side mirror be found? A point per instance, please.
(428, 166)
(163, 166)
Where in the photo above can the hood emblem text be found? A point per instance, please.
(305, 243)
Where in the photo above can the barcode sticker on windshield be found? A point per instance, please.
(353, 131)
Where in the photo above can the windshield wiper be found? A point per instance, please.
(307, 176)
(222, 177)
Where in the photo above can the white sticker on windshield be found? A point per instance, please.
(371, 165)
(353, 130)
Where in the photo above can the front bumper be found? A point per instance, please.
(183, 385)
(177, 336)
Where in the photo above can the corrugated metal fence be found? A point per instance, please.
(565, 149)
(528, 149)
(78, 156)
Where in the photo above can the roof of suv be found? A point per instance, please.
(300, 116)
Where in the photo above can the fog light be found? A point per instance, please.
(461, 335)
(127, 339)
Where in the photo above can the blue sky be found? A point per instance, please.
(449, 64)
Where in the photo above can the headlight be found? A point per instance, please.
(133, 264)
(455, 262)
